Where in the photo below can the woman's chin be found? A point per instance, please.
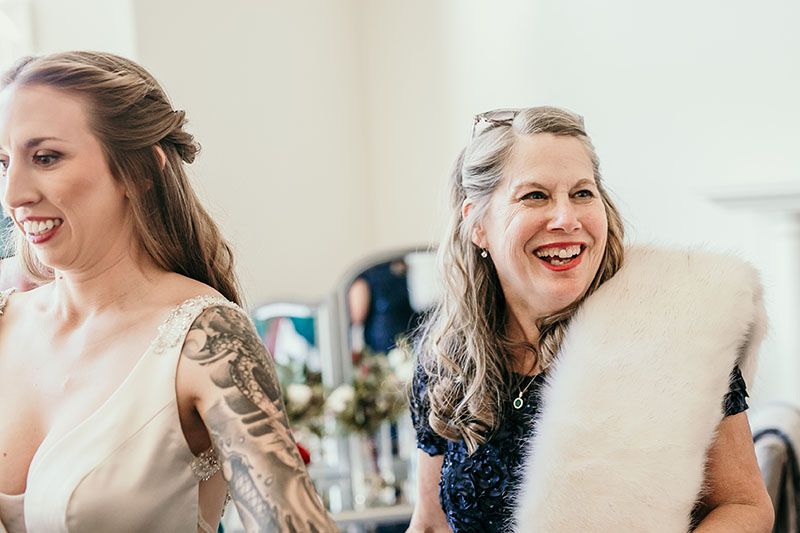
(563, 298)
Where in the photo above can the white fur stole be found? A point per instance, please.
(635, 395)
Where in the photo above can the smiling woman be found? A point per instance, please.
(548, 213)
(629, 392)
(135, 391)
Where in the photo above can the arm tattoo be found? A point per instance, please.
(267, 477)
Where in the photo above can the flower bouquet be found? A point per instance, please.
(376, 395)
(304, 397)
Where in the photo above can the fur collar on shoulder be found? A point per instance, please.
(635, 395)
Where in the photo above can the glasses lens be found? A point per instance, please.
(494, 118)
(500, 115)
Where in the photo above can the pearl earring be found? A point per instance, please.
(484, 253)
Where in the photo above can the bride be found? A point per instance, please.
(134, 392)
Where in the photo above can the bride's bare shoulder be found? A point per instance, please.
(178, 288)
(16, 300)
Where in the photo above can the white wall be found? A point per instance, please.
(83, 24)
(406, 98)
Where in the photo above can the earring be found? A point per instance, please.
(484, 253)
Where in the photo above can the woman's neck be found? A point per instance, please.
(521, 326)
(524, 362)
(118, 283)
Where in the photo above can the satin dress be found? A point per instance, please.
(127, 467)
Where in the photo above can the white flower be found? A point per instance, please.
(382, 404)
(298, 396)
(396, 357)
(405, 371)
(339, 398)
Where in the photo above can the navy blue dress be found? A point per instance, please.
(390, 313)
(475, 490)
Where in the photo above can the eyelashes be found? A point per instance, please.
(46, 159)
(535, 195)
(583, 194)
(41, 160)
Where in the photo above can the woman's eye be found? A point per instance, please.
(535, 195)
(3, 166)
(585, 193)
(45, 159)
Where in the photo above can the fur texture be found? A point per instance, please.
(634, 398)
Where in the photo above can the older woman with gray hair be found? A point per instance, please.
(566, 382)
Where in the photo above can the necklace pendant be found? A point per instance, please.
(517, 403)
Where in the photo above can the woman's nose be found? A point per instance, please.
(563, 217)
(17, 188)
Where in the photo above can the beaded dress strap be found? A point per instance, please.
(177, 324)
(172, 331)
(4, 298)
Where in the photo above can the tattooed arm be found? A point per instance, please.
(242, 408)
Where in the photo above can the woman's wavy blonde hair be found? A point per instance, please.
(463, 345)
(130, 115)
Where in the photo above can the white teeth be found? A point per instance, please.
(563, 253)
(39, 227)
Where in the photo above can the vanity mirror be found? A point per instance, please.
(381, 301)
(383, 297)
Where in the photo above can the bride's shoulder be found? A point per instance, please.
(178, 289)
(14, 300)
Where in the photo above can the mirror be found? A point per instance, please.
(290, 333)
(381, 302)
(302, 343)
(386, 297)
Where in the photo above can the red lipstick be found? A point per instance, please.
(40, 237)
(566, 266)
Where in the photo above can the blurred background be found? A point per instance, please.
(329, 126)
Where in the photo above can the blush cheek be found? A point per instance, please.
(596, 223)
(523, 229)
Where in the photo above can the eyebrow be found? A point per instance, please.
(36, 141)
(580, 183)
(585, 181)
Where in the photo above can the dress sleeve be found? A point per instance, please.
(427, 440)
(736, 399)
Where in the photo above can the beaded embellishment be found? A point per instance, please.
(4, 298)
(174, 328)
(205, 465)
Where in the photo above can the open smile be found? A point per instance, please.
(560, 256)
(41, 230)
